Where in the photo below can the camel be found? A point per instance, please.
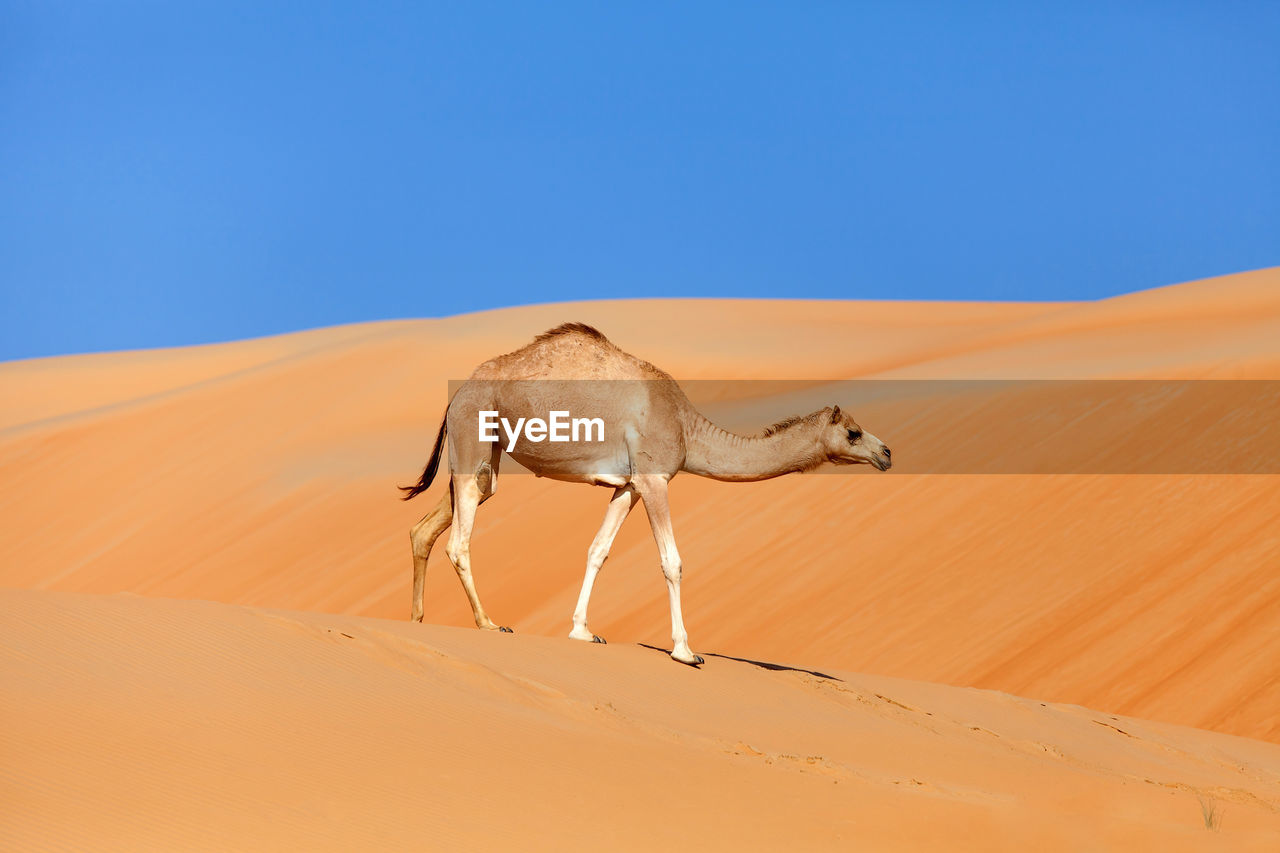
(652, 432)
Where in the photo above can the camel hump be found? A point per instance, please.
(572, 329)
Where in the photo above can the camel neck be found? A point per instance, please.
(711, 451)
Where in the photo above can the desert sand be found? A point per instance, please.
(207, 571)
(151, 724)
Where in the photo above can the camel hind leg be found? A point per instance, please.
(424, 534)
(468, 493)
(423, 537)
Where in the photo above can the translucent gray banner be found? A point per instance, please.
(930, 426)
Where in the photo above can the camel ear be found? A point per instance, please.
(835, 415)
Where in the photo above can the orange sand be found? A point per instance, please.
(262, 474)
(150, 724)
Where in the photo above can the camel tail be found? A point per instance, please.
(428, 473)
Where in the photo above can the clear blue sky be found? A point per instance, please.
(176, 173)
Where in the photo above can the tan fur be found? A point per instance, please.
(652, 432)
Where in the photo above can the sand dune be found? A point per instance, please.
(144, 724)
(263, 472)
(277, 714)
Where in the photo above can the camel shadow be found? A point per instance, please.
(772, 667)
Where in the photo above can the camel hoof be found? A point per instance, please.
(596, 638)
(503, 629)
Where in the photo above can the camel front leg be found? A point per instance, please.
(619, 508)
(653, 490)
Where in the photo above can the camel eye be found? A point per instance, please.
(854, 435)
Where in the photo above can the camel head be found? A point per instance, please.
(847, 443)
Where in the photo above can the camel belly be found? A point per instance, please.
(571, 465)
